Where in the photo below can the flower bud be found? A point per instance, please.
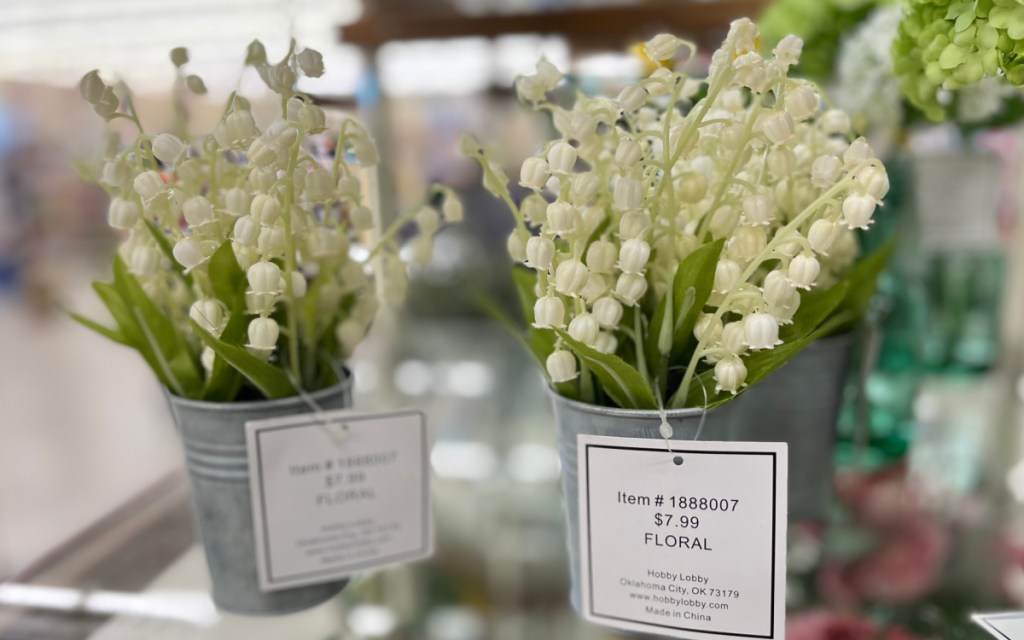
(530, 89)
(708, 328)
(584, 328)
(534, 173)
(190, 171)
(549, 312)
(169, 149)
(561, 366)
(693, 187)
(758, 209)
(312, 118)
(777, 288)
(730, 373)
(188, 253)
(834, 121)
(628, 194)
(584, 186)
(857, 211)
(632, 97)
(821, 235)
(734, 338)
(280, 78)
(779, 127)
(747, 242)
(539, 252)
(198, 211)
(349, 334)
(561, 218)
(724, 221)
(428, 220)
(349, 187)
(825, 171)
(451, 210)
(260, 153)
(148, 185)
(207, 358)
(239, 128)
(606, 342)
(761, 331)
(311, 62)
(534, 209)
(271, 241)
(601, 256)
(422, 249)
(195, 84)
(322, 243)
(237, 202)
(299, 284)
(208, 314)
(627, 153)
(727, 274)
(781, 162)
(264, 277)
(516, 245)
(874, 181)
(661, 47)
(801, 102)
(858, 152)
(803, 271)
(684, 244)
(145, 260)
(361, 219)
(318, 185)
(263, 334)
(561, 158)
(265, 208)
(608, 312)
(92, 87)
(246, 231)
(598, 285)
(633, 255)
(281, 134)
(630, 287)
(633, 225)
(118, 173)
(570, 277)
(123, 213)
(365, 151)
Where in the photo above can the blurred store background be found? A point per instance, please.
(92, 494)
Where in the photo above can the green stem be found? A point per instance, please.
(289, 264)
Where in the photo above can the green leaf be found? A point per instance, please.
(691, 287)
(525, 280)
(125, 319)
(861, 281)
(270, 380)
(160, 332)
(168, 250)
(224, 381)
(111, 334)
(227, 278)
(623, 384)
(815, 306)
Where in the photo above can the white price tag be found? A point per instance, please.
(338, 493)
(1005, 626)
(690, 550)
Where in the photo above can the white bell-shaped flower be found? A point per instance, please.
(148, 185)
(777, 288)
(633, 225)
(264, 277)
(188, 252)
(661, 47)
(118, 173)
(608, 312)
(529, 88)
(516, 245)
(547, 74)
(237, 202)
(318, 186)
(857, 153)
(322, 243)
(311, 62)
(598, 284)
(561, 366)
(606, 342)
(123, 213)
(758, 209)
(539, 252)
(428, 220)
(857, 211)
(561, 218)
(549, 313)
(627, 153)
(534, 173)
(584, 186)
(627, 194)
(779, 127)
(349, 334)
(263, 335)
(312, 118)
(349, 187)
(825, 171)
(821, 235)
(534, 209)
(730, 374)
(708, 328)
(684, 244)
(632, 97)
(271, 241)
(781, 162)
(263, 179)
(601, 256)
(561, 158)
(734, 338)
(208, 314)
(361, 218)
(834, 121)
(451, 210)
(144, 260)
(747, 242)
(198, 211)
(299, 284)
(246, 231)
(282, 134)
(693, 187)
(570, 277)
(727, 274)
(761, 331)
(630, 287)
(633, 256)
(240, 128)
(260, 153)
(801, 102)
(169, 149)
(874, 181)
(584, 328)
(803, 271)
(265, 209)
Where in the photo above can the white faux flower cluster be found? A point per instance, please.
(635, 184)
(289, 212)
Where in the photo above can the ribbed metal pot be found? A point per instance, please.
(573, 418)
(213, 434)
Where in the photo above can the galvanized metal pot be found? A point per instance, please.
(213, 434)
(798, 404)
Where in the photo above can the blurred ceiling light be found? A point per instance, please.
(469, 379)
(413, 377)
(372, 621)
(602, 66)
(192, 607)
(470, 461)
(1015, 481)
(456, 66)
(367, 376)
(533, 464)
(455, 623)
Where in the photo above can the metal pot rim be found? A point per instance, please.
(618, 412)
(345, 384)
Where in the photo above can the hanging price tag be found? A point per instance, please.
(1005, 626)
(338, 493)
(685, 545)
